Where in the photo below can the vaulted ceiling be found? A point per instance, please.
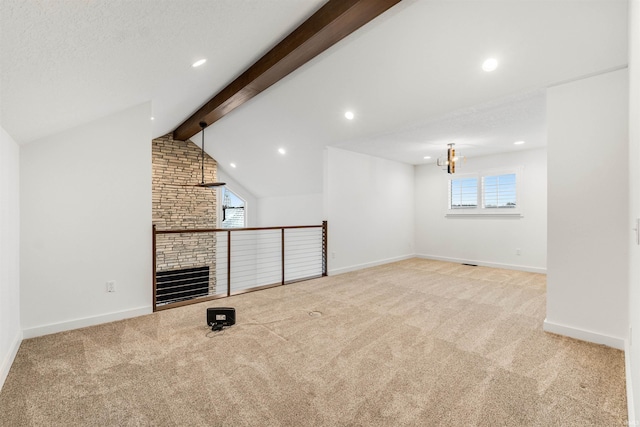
(412, 77)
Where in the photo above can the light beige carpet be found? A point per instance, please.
(414, 343)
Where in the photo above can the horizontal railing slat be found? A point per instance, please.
(234, 230)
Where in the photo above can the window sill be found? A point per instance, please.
(510, 215)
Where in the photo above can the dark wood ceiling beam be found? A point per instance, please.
(330, 24)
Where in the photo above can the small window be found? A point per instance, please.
(233, 210)
(499, 191)
(463, 193)
(485, 193)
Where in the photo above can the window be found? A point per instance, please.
(233, 210)
(499, 191)
(463, 193)
(484, 193)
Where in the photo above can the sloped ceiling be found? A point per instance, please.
(412, 77)
(67, 62)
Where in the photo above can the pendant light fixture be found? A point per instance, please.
(450, 161)
(202, 183)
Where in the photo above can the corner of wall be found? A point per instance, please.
(632, 350)
(583, 334)
(10, 357)
(631, 410)
(10, 328)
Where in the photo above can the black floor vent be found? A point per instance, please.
(180, 285)
(470, 265)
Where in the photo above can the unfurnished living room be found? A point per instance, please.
(319, 212)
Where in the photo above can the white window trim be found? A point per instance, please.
(480, 211)
(219, 207)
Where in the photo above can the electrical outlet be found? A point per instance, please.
(111, 286)
(518, 252)
(333, 255)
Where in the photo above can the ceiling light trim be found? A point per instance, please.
(490, 64)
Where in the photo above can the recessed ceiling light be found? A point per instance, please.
(153, 118)
(349, 115)
(427, 157)
(198, 63)
(518, 143)
(490, 64)
(233, 165)
(282, 151)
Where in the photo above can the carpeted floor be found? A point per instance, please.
(414, 343)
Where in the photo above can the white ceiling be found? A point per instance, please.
(67, 62)
(483, 129)
(412, 76)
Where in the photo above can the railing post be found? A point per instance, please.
(282, 256)
(324, 248)
(228, 263)
(153, 265)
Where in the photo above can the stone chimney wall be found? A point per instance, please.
(177, 205)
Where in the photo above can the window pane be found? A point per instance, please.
(233, 215)
(499, 191)
(464, 193)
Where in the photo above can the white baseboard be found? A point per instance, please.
(9, 358)
(368, 264)
(583, 335)
(631, 410)
(53, 328)
(485, 263)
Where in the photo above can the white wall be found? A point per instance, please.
(10, 330)
(490, 241)
(587, 272)
(370, 210)
(633, 350)
(86, 219)
(305, 209)
(256, 254)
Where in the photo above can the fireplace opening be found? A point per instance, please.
(182, 284)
